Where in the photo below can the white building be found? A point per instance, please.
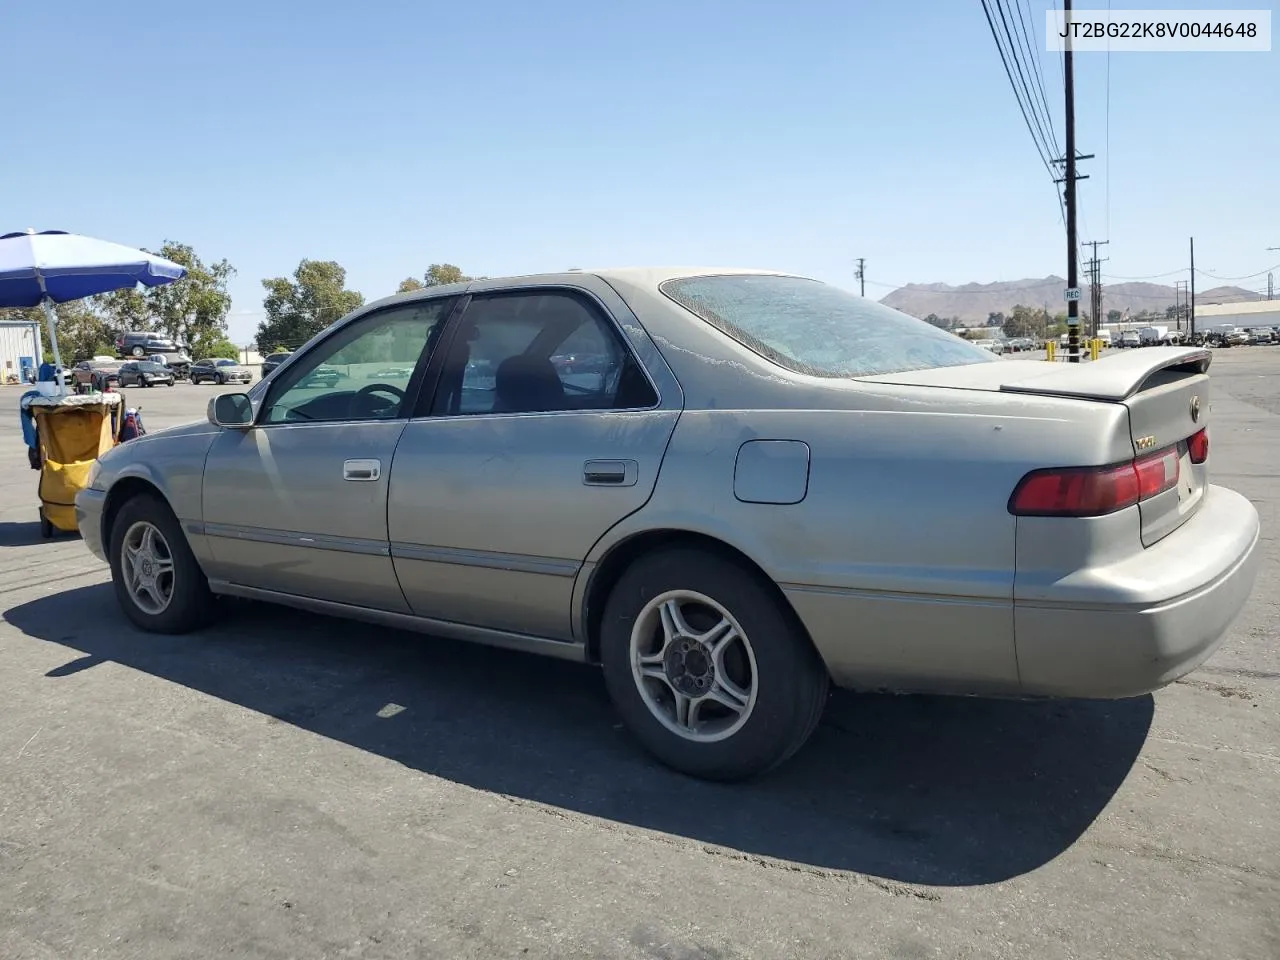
(1252, 313)
(19, 348)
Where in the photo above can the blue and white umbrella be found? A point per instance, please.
(41, 269)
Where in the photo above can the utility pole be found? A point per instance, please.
(1271, 286)
(862, 277)
(1191, 299)
(1069, 179)
(1095, 282)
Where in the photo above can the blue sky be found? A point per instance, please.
(510, 137)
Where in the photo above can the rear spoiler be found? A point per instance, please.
(1115, 378)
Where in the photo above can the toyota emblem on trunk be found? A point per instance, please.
(1195, 409)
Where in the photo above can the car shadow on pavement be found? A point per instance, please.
(926, 790)
(23, 533)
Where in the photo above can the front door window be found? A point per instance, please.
(360, 373)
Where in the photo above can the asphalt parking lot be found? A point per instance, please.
(287, 786)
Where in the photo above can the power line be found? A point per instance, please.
(1247, 276)
(995, 35)
(1107, 149)
(1154, 276)
(1049, 141)
(1034, 58)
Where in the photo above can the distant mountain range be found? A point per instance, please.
(972, 302)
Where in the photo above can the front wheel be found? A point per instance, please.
(158, 582)
(707, 667)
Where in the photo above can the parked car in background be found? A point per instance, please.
(220, 371)
(139, 344)
(1226, 335)
(992, 346)
(1129, 339)
(180, 370)
(1259, 336)
(756, 499)
(327, 376)
(145, 373)
(273, 361)
(96, 374)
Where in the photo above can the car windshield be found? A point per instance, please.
(818, 329)
(228, 363)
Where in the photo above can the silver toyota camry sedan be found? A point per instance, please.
(730, 489)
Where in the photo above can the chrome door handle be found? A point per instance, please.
(361, 469)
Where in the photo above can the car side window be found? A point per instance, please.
(360, 373)
(538, 352)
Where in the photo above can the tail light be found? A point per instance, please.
(1095, 491)
(1198, 446)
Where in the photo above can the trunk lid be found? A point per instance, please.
(1164, 389)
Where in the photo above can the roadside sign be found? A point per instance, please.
(1071, 293)
(1073, 321)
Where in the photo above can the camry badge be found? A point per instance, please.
(1195, 409)
(1145, 443)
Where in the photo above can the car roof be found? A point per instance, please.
(648, 277)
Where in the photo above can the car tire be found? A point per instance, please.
(138, 352)
(768, 668)
(175, 601)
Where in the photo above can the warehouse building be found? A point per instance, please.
(19, 350)
(1252, 313)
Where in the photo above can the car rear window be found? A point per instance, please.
(817, 329)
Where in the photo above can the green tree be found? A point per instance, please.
(936, 320)
(222, 349)
(194, 309)
(995, 319)
(126, 310)
(1025, 322)
(438, 274)
(299, 308)
(1114, 316)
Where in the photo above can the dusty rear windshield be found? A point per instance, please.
(817, 329)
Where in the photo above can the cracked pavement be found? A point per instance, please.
(289, 786)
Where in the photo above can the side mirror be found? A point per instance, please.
(231, 410)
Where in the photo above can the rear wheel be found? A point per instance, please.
(138, 352)
(158, 583)
(707, 668)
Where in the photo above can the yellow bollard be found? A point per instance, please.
(1095, 348)
(1050, 349)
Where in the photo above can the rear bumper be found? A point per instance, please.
(89, 505)
(1148, 619)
